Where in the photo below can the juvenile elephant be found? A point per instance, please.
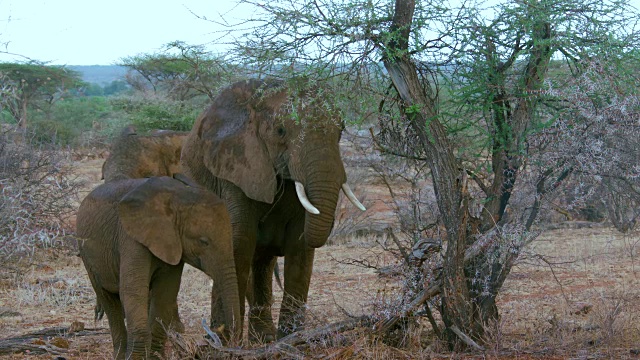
(136, 156)
(270, 155)
(137, 234)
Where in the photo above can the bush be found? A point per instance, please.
(68, 119)
(155, 113)
(38, 194)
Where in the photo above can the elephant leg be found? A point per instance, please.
(134, 293)
(298, 265)
(244, 241)
(112, 306)
(163, 305)
(261, 327)
(176, 323)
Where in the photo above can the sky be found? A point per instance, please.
(100, 32)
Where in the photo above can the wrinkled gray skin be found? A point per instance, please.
(135, 156)
(137, 234)
(247, 149)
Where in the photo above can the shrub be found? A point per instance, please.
(68, 119)
(38, 194)
(156, 113)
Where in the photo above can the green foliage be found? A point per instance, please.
(70, 118)
(180, 72)
(115, 87)
(93, 89)
(149, 114)
(35, 76)
(34, 86)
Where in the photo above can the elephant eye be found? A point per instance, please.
(281, 131)
(203, 241)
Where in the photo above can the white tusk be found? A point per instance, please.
(352, 198)
(304, 200)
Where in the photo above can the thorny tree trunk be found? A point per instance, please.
(510, 123)
(448, 177)
(467, 305)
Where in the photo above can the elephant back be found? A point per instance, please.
(138, 156)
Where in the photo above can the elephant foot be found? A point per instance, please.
(261, 327)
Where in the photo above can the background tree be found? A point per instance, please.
(501, 104)
(115, 87)
(34, 85)
(172, 87)
(181, 71)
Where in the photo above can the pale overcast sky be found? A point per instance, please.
(100, 32)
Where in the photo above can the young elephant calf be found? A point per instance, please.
(137, 234)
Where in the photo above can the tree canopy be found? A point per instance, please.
(181, 71)
(34, 85)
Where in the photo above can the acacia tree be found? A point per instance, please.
(34, 85)
(181, 71)
(487, 103)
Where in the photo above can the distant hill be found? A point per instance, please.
(100, 74)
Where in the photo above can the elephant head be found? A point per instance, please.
(174, 221)
(137, 156)
(257, 133)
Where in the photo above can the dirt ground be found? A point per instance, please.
(575, 293)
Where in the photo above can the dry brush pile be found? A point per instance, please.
(39, 191)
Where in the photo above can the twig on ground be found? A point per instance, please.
(432, 320)
(465, 339)
(555, 277)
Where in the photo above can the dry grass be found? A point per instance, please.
(574, 294)
(584, 305)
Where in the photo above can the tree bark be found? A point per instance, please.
(511, 120)
(449, 179)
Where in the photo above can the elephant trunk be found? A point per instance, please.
(317, 228)
(323, 182)
(224, 297)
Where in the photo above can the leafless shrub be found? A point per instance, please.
(404, 222)
(596, 140)
(38, 193)
(612, 320)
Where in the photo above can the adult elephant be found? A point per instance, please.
(135, 156)
(270, 154)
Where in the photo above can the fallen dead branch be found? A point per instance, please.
(465, 338)
(288, 346)
(46, 341)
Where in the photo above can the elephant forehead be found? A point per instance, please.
(225, 127)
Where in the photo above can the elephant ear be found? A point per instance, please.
(147, 215)
(234, 150)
